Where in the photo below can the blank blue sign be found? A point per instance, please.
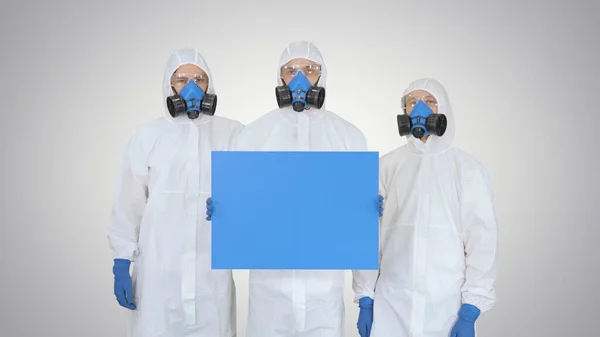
(295, 210)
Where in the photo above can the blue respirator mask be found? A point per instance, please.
(299, 93)
(422, 122)
(192, 101)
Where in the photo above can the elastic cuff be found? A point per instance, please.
(483, 300)
(361, 294)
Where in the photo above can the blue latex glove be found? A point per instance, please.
(465, 325)
(380, 205)
(123, 284)
(365, 317)
(209, 209)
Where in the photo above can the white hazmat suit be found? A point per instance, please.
(158, 221)
(438, 234)
(298, 303)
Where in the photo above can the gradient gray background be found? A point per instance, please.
(78, 77)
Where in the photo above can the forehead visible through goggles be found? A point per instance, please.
(308, 69)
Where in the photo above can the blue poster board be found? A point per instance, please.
(295, 210)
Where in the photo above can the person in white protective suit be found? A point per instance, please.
(158, 219)
(298, 303)
(438, 233)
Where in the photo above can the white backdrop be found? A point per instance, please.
(79, 76)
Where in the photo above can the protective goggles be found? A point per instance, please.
(411, 101)
(179, 80)
(308, 69)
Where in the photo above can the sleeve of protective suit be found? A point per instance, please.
(236, 141)
(480, 238)
(360, 143)
(249, 137)
(363, 281)
(237, 128)
(129, 201)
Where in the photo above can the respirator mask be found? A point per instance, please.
(300, 93)
(422, 122)
(191, 101)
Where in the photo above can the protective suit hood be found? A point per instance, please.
(306, 50)
(176, 60)
(434, 144)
